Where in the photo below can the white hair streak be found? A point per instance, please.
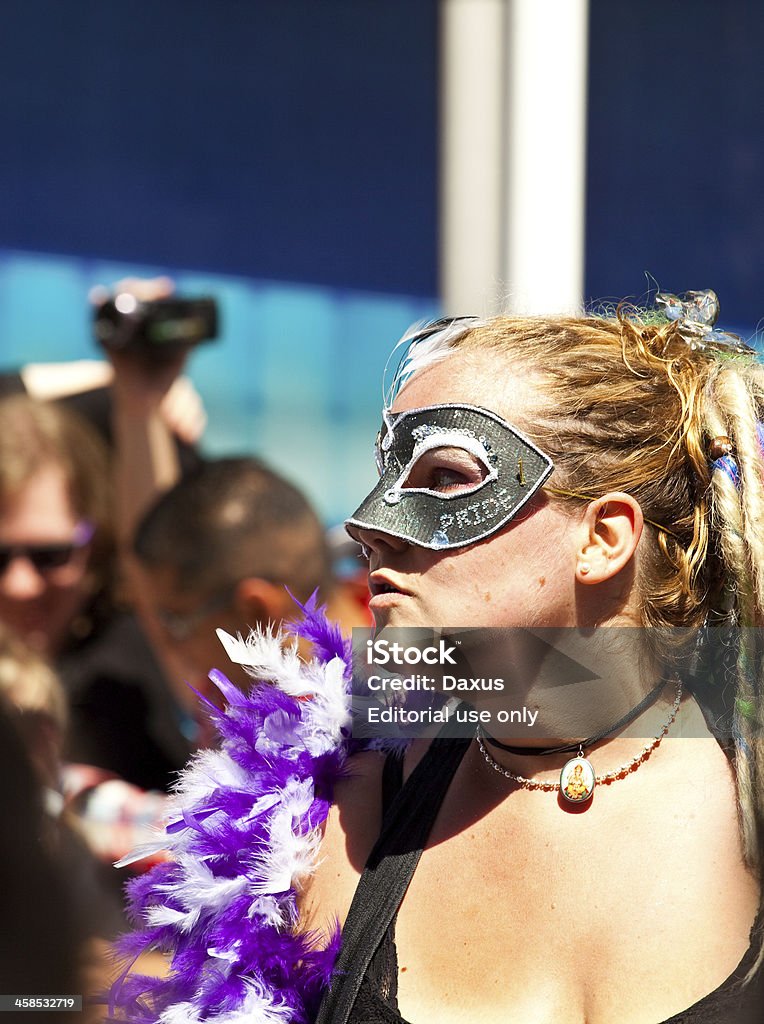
(422, 345)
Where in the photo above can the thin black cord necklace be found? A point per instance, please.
(629, 717)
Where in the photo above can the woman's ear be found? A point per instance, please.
(608, 536)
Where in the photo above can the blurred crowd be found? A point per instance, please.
(122, 549)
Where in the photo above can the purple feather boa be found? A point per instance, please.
(225, 908)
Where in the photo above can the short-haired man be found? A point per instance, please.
(232, 545)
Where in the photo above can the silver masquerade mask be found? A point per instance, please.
(450, 475)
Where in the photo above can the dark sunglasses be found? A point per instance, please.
(47, 557)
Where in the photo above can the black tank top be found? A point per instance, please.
(365, 986)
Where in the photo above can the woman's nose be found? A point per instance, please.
(376, 540)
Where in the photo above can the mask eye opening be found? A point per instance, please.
(468, 456)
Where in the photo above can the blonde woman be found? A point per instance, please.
(567, 474)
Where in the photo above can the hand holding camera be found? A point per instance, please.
(147, 332)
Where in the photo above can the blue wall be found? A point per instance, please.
(676, 151)
(286, 139)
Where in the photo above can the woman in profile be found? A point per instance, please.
(573, 474)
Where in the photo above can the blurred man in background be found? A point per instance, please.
(232, 545)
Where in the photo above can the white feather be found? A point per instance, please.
(200, 892)
(264, 803)
(289, 854)
(229, 955)
(160, 916)
(269, 909)
(180, 1013)
(258, 1007)
(267, 655)
(330, 710)
(210, 770)
(143, 851)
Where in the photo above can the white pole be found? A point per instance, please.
(473, 35)
(547, 44)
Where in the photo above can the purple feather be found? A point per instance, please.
(326, 637)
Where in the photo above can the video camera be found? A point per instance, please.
(158, 328)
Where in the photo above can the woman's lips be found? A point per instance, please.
(384, 590)
(387, 600)
(383, 583)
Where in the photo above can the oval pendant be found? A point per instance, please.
(577, 780)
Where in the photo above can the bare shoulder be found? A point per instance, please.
(356, 816)
(350, 831)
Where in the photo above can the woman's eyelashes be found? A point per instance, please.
(446, 471)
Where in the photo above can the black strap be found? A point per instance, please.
(388, 872)
(392, 782)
